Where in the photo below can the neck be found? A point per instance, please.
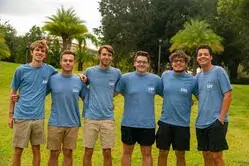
(36, 63)
(179, 72)
(207, 68)
(141, 73)
(103, 67)
(66, 73)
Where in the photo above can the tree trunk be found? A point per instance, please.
(80, 66)
(233, 70)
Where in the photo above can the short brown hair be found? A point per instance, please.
(142, 53)
(67, 52)
(108, 47)
(39, 44)
(179, 54)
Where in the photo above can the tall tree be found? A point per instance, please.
(195, 33)
(233, 25)
(66, 24)
(4, 50)
(82, 53)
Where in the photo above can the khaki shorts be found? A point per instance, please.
(25, 130)
(58, 136)
(93, 128)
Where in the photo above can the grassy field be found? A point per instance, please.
(238, 131)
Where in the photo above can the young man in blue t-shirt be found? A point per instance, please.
(178, 87)
(215, 93)
(27, 114)
(138, 122)
(64, 121)
(98, 109)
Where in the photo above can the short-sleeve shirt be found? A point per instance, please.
(139, 91)
(212, 85)
(102, 82)
(31, 82)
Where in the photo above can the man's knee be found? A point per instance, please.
(67, 152)
(107, 153)
(18, 151)
(216, 155)
(180, 154)
(54, 153)
(88, 152)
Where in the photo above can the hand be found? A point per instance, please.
(10, 122)
(83, 77)
(14, 98)
(221, 120)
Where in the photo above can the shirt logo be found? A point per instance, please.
(184, 90)
(151, 89)
(75, 91)
(209, 85)
(44, 81)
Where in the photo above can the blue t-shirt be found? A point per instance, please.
(65, 91)
(212, 85)
(32, 84)
(102, 84)
(139, 91)
(177, 98)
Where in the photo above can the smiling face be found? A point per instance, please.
(38, 54)
(141, 64)
(105, 58)
(204, 58)
(179, 65)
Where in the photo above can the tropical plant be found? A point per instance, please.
(66, 24)
(195, 33)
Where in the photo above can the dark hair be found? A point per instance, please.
(204, 46)
(108, 47)
(179, 54)
(142, 53)
(39, 44)
(67, 52)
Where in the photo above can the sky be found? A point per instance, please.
(23, 14)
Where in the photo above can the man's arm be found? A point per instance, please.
(225, 105)
(13, 94)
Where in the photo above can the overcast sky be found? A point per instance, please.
(23, 14)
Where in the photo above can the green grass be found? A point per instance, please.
(238, 131)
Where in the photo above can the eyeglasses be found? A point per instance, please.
(142, 62)
(178, 60)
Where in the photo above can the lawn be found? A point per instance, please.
(238, 131)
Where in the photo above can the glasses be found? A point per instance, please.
(142, 62)
(179, 60)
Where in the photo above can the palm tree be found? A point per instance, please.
(4, 49)
(195, 33)
(82, 54)
(66, 25)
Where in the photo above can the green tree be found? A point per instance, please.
(82, 53)
(233, 25)
(4, 50)
(65, 24)
(195, 33)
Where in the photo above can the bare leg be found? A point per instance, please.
(126, 156)
(180, 158)
(107, 153)
(36, 155)
(53, 157)
(68, 157)
(217, 158)
(162, 157)
(87, 158)
(207, 158)
(16, 161)
(146, 156)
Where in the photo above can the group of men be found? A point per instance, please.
(98, 86)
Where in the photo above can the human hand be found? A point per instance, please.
(83, 77)
(14, 97)
(10, 122)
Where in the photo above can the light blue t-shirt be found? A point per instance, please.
(31, 82)
(212, 85)
(65, 92)
(139, 92)
(177, 98)
(99, 105)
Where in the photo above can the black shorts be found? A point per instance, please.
(212, 138)
(143, 136)
(168, 134)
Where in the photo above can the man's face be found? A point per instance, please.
(203, 57)
(67, 62)
(141, 64)
(179, 65)
(38, 54)
(105, 58)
